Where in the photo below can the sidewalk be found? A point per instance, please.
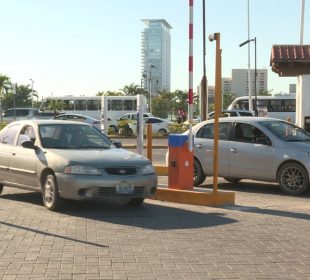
(265, 236)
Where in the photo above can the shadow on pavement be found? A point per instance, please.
(265, 190)
(148, 215)
(271, 212)
(249, 186)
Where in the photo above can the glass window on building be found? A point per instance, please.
(80, 104)
(93, 105)
(128, 105)
(68, 105)
(116, 105)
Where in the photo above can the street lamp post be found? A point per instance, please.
(32, 81)
(255, 78)
(150, 87)
(2, 90)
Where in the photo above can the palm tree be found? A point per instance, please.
(133, 89)
(5, 86)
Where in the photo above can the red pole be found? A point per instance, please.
(190, 75)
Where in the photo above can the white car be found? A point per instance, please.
(130, 118)
(87, 119)
(80, 118)
(159, 126)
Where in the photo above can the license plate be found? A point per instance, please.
(124, 188)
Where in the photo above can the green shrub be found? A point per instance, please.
(178, 128)
(2, 125)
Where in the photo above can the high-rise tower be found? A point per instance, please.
(156, 56)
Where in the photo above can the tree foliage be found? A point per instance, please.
(133, 89)
(23, 94)
(227, 98)
(167, 103)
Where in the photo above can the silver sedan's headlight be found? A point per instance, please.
(82, 170)
(147, 169)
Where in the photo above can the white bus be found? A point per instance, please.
(274, 106)
(91, 106)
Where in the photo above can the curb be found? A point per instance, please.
(161, 170)
(202, 198)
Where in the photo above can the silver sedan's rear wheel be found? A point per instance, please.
(50, 195)
(199, 176)
(293, 178)
(232, 180)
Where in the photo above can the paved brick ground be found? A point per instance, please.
(264, 236)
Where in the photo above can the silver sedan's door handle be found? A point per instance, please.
(199, 146)
(233, 150)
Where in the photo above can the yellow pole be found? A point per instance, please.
(217, 111)
(149, 141)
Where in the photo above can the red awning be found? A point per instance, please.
(290, 60)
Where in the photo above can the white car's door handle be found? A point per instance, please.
(233, 150)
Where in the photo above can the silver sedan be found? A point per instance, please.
(262, 149)
(71, 160)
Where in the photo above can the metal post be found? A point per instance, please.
(204, 97)
(1, 111)
(31, 93)
(217, 111)
(150, 92)
(190, 74)
(249, 64)
(255, 109)
(302, 15)
(14, 99)
(150, 87)
(250, 97)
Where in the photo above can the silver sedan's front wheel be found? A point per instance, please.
(293, 178)
(50, 195)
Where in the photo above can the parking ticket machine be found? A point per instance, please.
(181, 164)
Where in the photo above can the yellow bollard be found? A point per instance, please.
(149, 135)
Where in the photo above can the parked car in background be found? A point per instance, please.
(71, 160)
(232, 113)
(14, 114)
(258, 148)
(80, 118)
(224, 114)
(159, 126)
(130, 118)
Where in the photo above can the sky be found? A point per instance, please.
(80, 47)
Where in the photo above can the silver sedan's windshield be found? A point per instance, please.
(72, 136)
(286, 131)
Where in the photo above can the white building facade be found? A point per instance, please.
(240, 84)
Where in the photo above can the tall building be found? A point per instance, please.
(156, 56)
(240, 84)
(226, 85)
